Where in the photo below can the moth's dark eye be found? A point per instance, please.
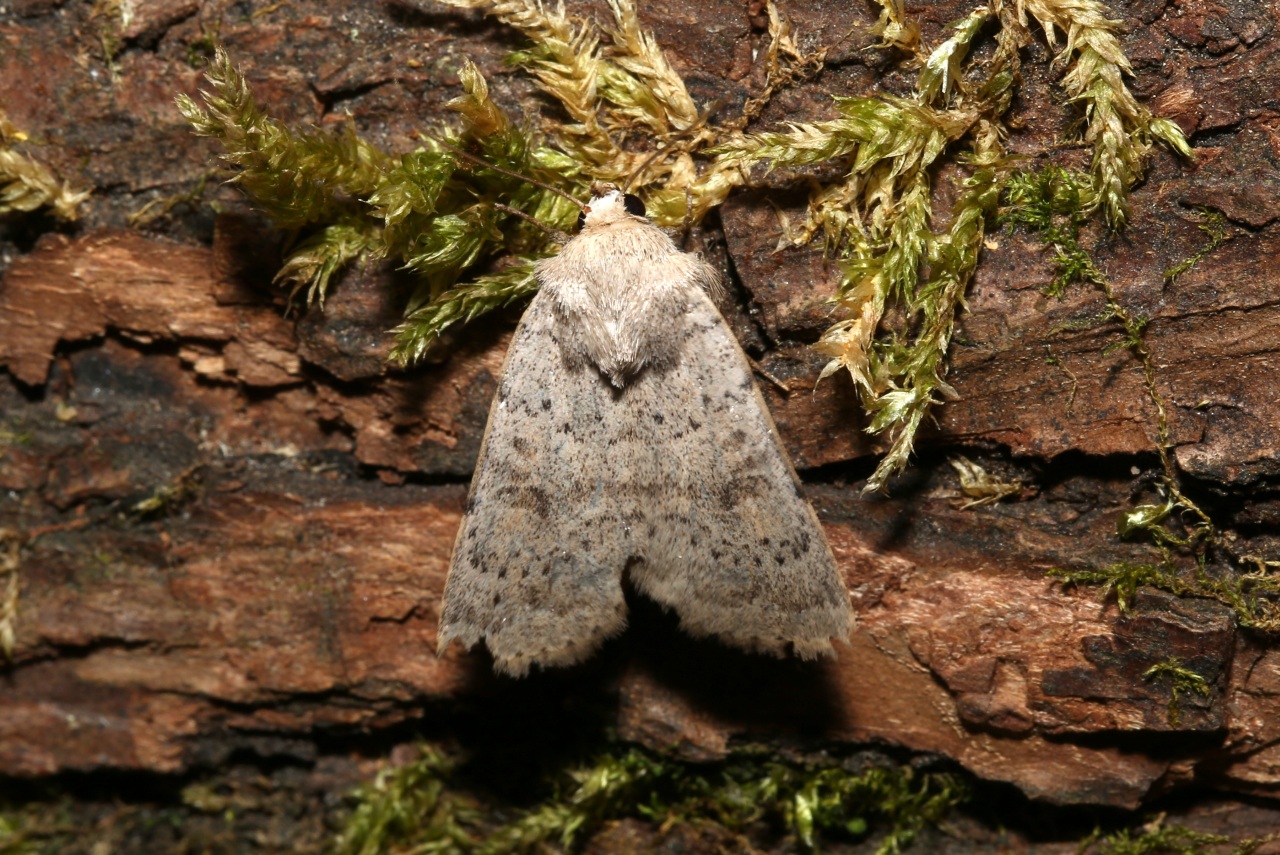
(582, 218)
(633, 205)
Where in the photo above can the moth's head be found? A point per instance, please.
(609, 205)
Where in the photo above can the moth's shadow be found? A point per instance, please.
(742, 693)
(655, 684)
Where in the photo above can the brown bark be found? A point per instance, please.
(291, 584)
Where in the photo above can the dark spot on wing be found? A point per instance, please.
(541, 501)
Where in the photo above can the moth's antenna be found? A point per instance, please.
(480, 161)
(552, 232)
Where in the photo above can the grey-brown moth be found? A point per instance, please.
(628, 437)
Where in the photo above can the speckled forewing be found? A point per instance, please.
(538, 562)
(676, 477)
(729, 543)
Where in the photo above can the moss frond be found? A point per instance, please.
(565, 59)
(439, 214)
(1123, 580)
(979, 486)
(871, 129)
(1156, 838)
(409, 802)
(942, 70)
(26, 184)
(464, 303)
(10, 559)
(1254, 597)
(1214, 225)
(1053, 203)
(919, 368)
(663, 102)
(298, 178)
(1118, 128)
(876, 219)
(1182, 680)
(894, 28)
(312, 264)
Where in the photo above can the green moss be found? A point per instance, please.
(1214, 225)
(165, 498)
(1251, 595)
(628, 118)
(409, 805)
(1194, 558)
(1181, 680)
(433, 211)
(877, 219)
(412, 808)
(1156, 838)
(26, 184)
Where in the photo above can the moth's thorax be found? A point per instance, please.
(606, 209)
(620, 290)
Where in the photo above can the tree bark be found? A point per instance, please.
(285, 581)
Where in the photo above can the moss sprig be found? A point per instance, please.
(1182, 681)
(876, 221)
(410, 802)
(439, 214)
(1117, 128)
(299, 178)
(1159, 838)
(479, 296)
(10, 561)
(1214, 225)
(27, 185)
(1050, 203)
(630, 119)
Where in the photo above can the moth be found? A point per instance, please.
(627, 436)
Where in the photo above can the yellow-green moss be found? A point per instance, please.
(1157, 838)
(413, 808)
(26, 184)
(628, 118)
